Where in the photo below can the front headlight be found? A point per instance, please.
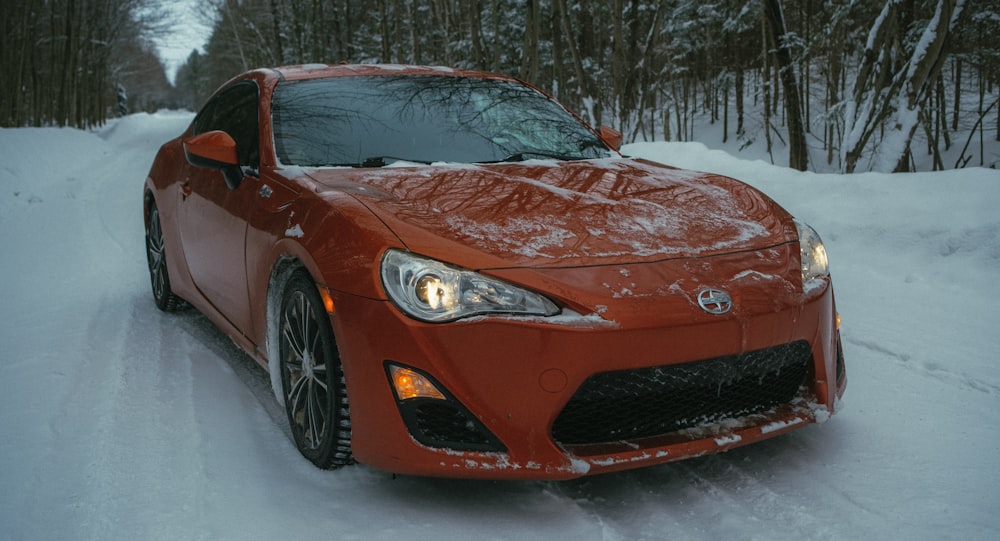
(433, 291)
(815, 265)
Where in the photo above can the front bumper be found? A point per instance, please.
(512, 378)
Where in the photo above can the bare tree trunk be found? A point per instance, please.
(618, 61)
(798, 153)
(942, 112)
(443, 12)
(982, 92)
(415, 49)
(862, 117)
(496, 36)
(958, 94)
(558, 56)
(383, 23)
(725, 114)
(932, 141)
(279, 45)
(806, 69)
(740, 88)
(529, 64)
(962, 160)
(834, 76)
(584, 85)
(67, 82)
(680, 108)
(924, 67)
(475, 32)
(397, 33)
(876, 97)
(766, 85)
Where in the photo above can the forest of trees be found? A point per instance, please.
(858, 79)
(78, 62)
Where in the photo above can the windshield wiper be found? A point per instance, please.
(522, 155)
(382, 161)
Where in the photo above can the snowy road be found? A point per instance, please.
(119, 422)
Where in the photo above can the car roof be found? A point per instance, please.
(322, 71)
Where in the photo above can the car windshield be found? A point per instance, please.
(377, 120)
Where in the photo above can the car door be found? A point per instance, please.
(213, 216)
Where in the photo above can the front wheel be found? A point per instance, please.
(312, 379)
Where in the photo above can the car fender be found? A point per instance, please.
(334, 238)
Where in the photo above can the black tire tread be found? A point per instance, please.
(167, 301)
(335, 451)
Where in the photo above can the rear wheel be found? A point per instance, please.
(156, 256)
(312, 380)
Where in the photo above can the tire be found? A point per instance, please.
(312, 378)
(156, 256)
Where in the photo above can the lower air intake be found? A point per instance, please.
(635, 404)
(447, 425)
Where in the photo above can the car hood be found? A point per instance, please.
(545, 214)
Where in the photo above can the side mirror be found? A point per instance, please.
(215, 150)
(612, 137)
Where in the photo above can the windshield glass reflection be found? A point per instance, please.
(377, 120)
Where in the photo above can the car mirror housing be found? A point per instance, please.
(612, 137)
(215, 150)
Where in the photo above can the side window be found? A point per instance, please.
(234, 111)
(204, 119)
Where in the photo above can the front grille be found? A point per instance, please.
(634, 404)
(445, 424)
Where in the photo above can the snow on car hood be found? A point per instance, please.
(554, 214)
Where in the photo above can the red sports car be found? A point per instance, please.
(447, 273)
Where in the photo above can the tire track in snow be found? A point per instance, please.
(746, 497)
(748, 493)
(926, 368)
(146, 468)
(256, 379)
(145, 446)
(584, 504)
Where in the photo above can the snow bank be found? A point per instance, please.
(40, 163)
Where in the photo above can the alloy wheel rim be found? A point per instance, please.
(306, 391)
(157, 259)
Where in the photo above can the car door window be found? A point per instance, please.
(234, 111)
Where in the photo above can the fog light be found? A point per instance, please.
(412, 384)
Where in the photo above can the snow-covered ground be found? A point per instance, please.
(120, 422)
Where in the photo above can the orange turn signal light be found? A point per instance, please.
(412, 384)
(324, 294)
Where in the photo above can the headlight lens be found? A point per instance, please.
(433, 291)
(815, 264)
